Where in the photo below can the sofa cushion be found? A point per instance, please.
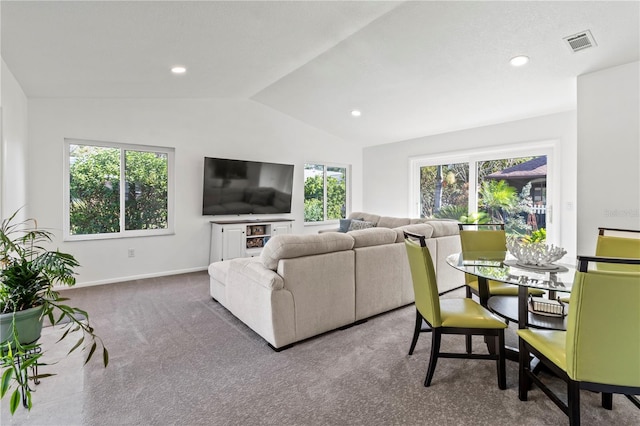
(365, 216)
(373, 237)
(420, 220)
(360, 224)
(291, 245)
(418, 228)
(443, 228)
(393, 222)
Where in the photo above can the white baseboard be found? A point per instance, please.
(132, 278)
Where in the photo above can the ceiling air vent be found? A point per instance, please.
(580, 41)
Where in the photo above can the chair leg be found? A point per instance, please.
(467, 341)
(573, 399)
(502, 369)
(468, 291)
(524, 365)
(435, 350)
(607, 400)
(634, 399)
(416, 332)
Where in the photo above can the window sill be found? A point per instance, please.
(119, 235)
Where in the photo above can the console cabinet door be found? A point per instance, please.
(280, 228)
(233, 243)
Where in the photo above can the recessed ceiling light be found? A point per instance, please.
(519, 61)
(356, 113)
(178, 70)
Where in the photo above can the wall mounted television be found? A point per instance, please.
(234, 187)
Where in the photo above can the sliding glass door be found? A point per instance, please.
(509, 187)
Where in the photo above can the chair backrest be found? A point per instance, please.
(481, 226)
(622, 243)
(423, 275)
(482, 237)
(603, 325)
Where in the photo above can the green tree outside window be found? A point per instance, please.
(95, 189)
(315, 193)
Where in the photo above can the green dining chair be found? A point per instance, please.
(623, 243)
(600, 350)
(462, 316)
(487, 237)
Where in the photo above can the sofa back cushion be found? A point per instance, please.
(444, 228)
(298, 245)
(420, 220)
(418, 228)
(368, 217)
(373, 237)
(393, 222)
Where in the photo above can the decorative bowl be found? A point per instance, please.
(535, 254)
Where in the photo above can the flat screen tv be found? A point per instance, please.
(234, 187)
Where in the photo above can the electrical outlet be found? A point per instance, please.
(132, 252)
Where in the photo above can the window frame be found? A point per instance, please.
(549, 148)
(326, 166)
(123, 233)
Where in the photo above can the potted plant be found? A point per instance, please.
(29, 273)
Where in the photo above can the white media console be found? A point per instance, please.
(243, 238)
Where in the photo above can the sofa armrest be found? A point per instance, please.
(253, 270)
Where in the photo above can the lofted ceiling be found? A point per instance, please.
(413, 68)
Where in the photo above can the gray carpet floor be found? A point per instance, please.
(179, 358)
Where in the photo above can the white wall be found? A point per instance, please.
(14, 146)
(386, 167)
(196, 128)
(608, 152)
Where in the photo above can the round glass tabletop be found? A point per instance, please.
(502, 266)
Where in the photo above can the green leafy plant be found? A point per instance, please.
(497, 197)
(479, 217)
(28, 275)
(537, 236)
(451, 212)
(314, 196)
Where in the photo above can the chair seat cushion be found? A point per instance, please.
(467, 313)
(497, 288)
(550, 343)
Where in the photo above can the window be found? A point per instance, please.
(326, 192)
(506, 186)
(115, 190)
(444, 190)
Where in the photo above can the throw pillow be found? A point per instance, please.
(360, 224)
(344, 225)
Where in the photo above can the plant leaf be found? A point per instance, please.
(15, 400)
(78, 343)
(29, 404)
(29, 362)
(105, 356)
(42, 376)
(82, 312)
(6, 380)
(93, 349)
(65, 334)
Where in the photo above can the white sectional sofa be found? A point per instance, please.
(305, 285)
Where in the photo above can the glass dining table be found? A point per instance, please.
(503, 267)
